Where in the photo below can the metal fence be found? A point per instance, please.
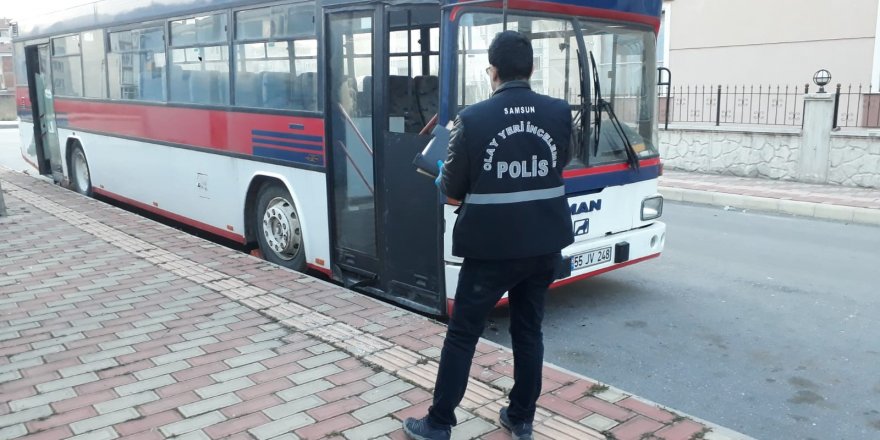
(733, 105)
(856, 106)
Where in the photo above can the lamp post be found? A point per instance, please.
(822, 78)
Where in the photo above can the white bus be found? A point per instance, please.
(290, 127)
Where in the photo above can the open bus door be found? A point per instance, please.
(48, 150)
(385, 217)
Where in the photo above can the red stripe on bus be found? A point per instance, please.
(323, 270)
(568, 281)
(605, 169)
(168, 214)
(217, 129)
(581, 11)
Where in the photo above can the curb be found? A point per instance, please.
(850, 214)
(8, 124)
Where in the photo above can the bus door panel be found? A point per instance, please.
(411, 215)
(350, 131)
(409, 203)
(47, 148)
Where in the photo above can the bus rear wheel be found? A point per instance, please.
(278, 230)
(80, 178)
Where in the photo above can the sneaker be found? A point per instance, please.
(519, 431)
(422, 429)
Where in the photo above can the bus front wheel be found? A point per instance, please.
(279, 233)
(81, 179)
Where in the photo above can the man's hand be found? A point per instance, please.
(439, 173)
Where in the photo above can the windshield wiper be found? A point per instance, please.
(601, 104)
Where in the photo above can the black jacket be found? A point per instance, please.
(506, 156)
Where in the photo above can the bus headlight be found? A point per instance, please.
(652, 208)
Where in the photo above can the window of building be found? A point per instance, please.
(136, 64)
(276, 58)
(199, 60)
(93, 56)
(67, 77)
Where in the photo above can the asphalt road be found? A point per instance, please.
(767, 325)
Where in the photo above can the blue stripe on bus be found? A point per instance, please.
(316, 148)
(574, 185)
(278, 134)
(290, 156)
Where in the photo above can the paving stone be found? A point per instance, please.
(106, 354)
(67, 382)
(234, 373)
(13, 431)
(224, 387)
(107, 433)
(314, 374)
(192, 423)
(278, 427)
(129, 401)
(104, 420)
(389, 389)
(373, 429)
(26, 415)
(210, 404)
(178, 355)
(249, 358)
(380, 409)
(144, 385)
(293, 407)
(306, 389)
(161, 370)
(42, 399)
(599, 422)
(323, 359)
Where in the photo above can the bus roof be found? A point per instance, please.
(106, 13)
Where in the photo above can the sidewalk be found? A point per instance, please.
(114, 326)
(829, 202)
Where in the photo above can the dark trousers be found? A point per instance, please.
(481, 284)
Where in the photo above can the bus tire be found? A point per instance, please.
(278, 229)
(80, 177)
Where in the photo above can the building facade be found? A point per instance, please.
(7, 76)
(752, 42)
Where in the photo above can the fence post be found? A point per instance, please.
(718, 107)
(2, 203)
(816, 138)
(836, 107)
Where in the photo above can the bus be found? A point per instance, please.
(290, 127)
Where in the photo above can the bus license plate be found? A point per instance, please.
(590, 258)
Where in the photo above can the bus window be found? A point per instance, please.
(67, 77)
(555, 56)
(625, 61)
(199, 70)
(413, 66)
(276, 58)
(136, 64)
(93, 51)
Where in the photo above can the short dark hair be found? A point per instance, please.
(511, 54)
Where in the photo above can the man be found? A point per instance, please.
(506, 157)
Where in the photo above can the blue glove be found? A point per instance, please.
(439, 174)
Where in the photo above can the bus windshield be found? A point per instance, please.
(624, 70)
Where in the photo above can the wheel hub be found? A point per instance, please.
(281, 229)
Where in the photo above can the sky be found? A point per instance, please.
(18, 9)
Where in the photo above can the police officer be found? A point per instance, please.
(505, 162)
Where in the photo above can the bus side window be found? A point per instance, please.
(276, 58)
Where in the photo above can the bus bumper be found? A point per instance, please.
(640, 244)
